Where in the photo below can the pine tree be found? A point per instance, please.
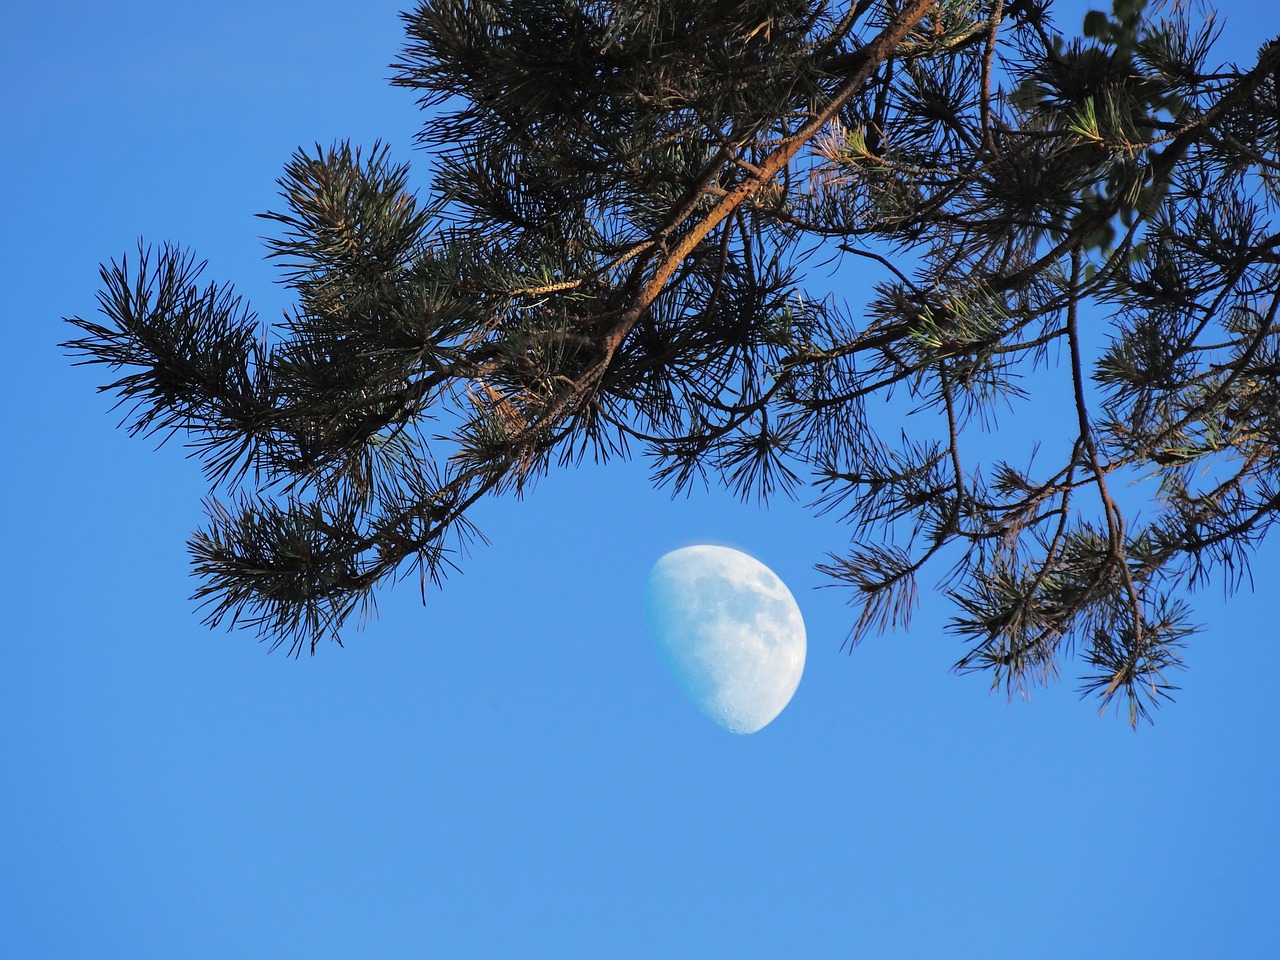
(615, 256)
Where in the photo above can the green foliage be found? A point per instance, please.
(612, 260)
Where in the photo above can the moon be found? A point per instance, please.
(729, 631)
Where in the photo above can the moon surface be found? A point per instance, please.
(729, 631)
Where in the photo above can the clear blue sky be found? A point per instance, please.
(508, 772)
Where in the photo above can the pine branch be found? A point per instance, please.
(616, 253)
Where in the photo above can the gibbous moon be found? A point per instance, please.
(730, 632)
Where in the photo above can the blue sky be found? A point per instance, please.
(508, 771)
